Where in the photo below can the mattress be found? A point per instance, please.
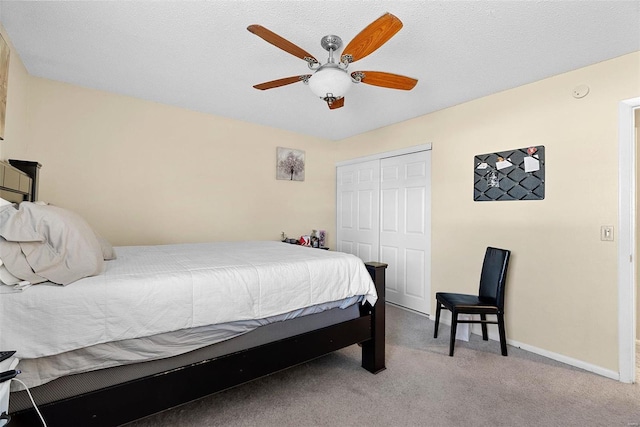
(151, 290)
(77, 384)
(40, 371)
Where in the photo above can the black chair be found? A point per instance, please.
(490, 299)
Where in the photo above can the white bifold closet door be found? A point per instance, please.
(358, 216)
(405, 206)
(384, 214)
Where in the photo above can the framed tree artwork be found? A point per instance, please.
(289, 164)
(4, 80)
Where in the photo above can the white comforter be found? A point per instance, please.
(155, 289)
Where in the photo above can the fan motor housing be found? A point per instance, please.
(331, 42)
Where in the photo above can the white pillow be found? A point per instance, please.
(6, 277)
(48, 243)
(9, 279)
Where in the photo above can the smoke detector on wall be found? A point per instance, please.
(580, 91)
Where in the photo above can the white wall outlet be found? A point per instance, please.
(606, 233)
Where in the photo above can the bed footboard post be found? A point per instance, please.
(373, 349)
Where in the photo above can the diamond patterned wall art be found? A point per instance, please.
(509, 175)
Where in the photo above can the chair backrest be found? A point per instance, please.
(493, 276)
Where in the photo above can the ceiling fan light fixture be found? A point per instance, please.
(330, 81)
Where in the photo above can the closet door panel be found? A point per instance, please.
(405, 223)
(358, 218)
(390, 256)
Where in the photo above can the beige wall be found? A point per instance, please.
(146, 173)
(562, 289)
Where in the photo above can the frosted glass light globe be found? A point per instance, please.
(330, 81)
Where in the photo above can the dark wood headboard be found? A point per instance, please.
(19, 180)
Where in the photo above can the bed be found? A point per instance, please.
(169, 353)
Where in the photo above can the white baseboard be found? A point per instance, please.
(445, 318)
(568, 360)
(419, 313)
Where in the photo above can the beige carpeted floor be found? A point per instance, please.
(422, 386)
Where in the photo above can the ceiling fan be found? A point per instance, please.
(330, 81)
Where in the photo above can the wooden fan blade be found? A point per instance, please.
(371, 38)
(281, 43)
(389, 80)
(282, 82)
(336, 104)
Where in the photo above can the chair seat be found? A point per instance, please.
(466, 303)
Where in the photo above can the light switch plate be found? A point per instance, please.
(606, 233)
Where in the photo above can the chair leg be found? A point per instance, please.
(435, 327)
(454, 326)
(503, 337)
(485, 335)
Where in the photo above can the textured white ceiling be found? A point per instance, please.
(199, 55)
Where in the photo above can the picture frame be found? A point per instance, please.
(290, 164)
(517, 174)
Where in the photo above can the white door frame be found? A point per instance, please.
(627, 258)
(378, 156)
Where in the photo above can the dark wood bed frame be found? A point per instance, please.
(131, 400)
